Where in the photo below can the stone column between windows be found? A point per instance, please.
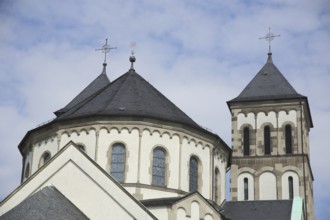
(212, 170)
(139, 157)
(256, 135)
(97, 136)
(180, 159)
(277, 135)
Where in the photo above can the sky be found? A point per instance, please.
(198, 53)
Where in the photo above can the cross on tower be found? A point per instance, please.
(269, 37)
(106, 49)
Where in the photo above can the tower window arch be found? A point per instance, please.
(158, 167)
(246, 188)
(246, 141)
(290, 184)
(44, 158)
(118, 161)
(288, 139)
(267, 140)
(193, 174)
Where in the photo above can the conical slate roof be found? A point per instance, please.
(268, 84)
(99, 83)
(128, 96)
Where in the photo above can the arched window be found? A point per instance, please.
(118, 159)
(217, 185)
(288, 139)
(246, 189)
(27, 171)
(158, 167)
(267, 139)
(290, 182)
(193, 174)
(246, 141)
(44, 158)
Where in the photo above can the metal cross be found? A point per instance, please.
(106, 49)
(269, 37)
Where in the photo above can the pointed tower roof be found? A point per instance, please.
(99, 83)
(268, 84)
(128, 96)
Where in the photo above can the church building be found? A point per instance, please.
(121, 150)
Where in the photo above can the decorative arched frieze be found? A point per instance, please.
(246, 170)
(105, 128)
(264, 169)
(292, 169)
(246, 119)
(147, 130)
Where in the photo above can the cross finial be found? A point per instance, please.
(269, 37)
(106, 49)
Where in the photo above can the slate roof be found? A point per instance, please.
(257, 210)
(128, 96)
(46, 204)
(268, 84)
(99, 83)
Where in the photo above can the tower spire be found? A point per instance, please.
(105, 49)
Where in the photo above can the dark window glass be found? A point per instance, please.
(193, 175)
(46, 157)
(267, 139)
(246, 189)
(288, 139)
(27, 171)
(158, 167)
(246, 139)
(118, 158)
(290, 179)
(81, 147)
(216, 184)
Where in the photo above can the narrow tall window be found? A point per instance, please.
(290, 179)
(193, 174)
(246, 189)
(267, 140)
(246, 141)
(288, 139)
(158, 167)
(44, 158)
(27, 171)
(217, 185)
(118, 159)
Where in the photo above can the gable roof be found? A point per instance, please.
(169, 201)
(128, 96)
(269, 83)
(75, 167)
(100, 82)
(257, 210)
(48, 204)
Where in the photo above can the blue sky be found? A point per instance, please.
(207, 50)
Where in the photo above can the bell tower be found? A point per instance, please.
(270, 141)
